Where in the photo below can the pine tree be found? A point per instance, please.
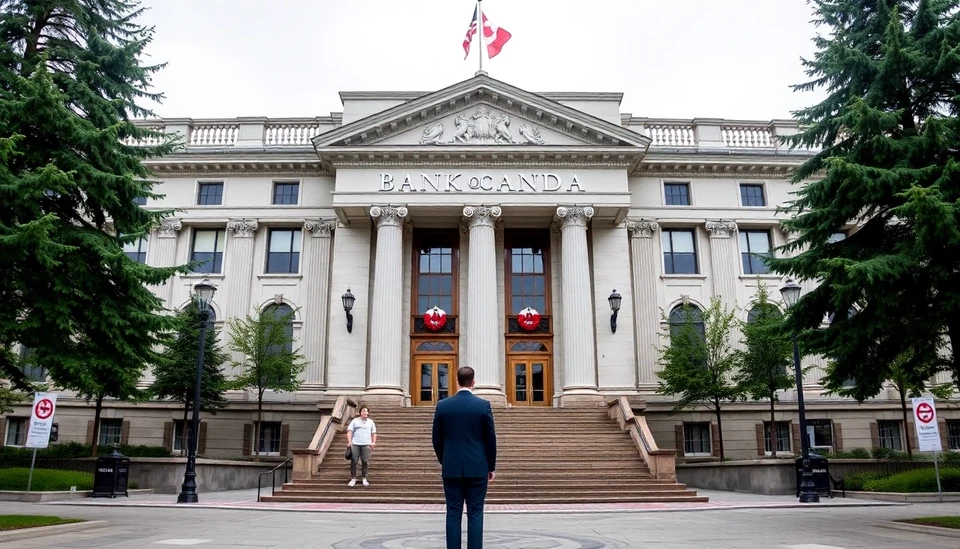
(697, 366)
(270, 361)
(767, 358)
(175, 376)
(889, 140)
(71, 80)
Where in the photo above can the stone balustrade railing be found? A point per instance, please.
(667, 134)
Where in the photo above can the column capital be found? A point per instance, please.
(169, 227)
(388, 215)
(642, 228)
(320, 228)
(575, 216)
(721, 229)
(477, 216)
(242, 228)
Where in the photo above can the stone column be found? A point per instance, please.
(238, 270)
(579, 349)
(483, 333)
(316, 289)
(724, 258)
(644, 258)
(165, 253)
(386, 314)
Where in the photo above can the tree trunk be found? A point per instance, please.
(185, 437)
(906, 432)
(256, 428)
(96, 426)
(719, 429)
(773, 428)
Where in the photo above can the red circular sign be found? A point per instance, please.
(924, 412)
(43, 409)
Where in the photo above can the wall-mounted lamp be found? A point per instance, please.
(348, 301)
(614, 300)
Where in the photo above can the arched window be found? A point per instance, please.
(528, 347)
(771, 310)
(434, 347)
(681, 314)
(851, 312)
(30, 370)
(279, 313)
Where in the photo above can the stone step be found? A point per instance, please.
(498, 485)
(357, 496)
(345, 492)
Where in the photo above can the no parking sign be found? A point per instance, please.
(41, 420)
(925, 419)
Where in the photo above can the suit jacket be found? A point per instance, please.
(464, 437)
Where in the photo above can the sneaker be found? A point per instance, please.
(353, 482)
(365, 483)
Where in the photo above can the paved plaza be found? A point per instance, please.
(729, 521)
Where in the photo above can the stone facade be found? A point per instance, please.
(517, 214)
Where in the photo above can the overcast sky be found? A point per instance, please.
(733, 59)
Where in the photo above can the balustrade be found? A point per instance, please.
(748, 137)
(281, 134)
(213, 135)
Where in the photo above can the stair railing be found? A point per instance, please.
(662, 463)
(306, 461)
(273, 479)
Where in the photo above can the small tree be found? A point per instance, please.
(176, 376)
(698, 361)
(270, 361)
(9, 397)
(767, 357)
(910, 379)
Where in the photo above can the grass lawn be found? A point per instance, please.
(44, 480)
(15, 522)
(944, 522)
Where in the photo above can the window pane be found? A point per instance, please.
(280, 241)
(210, 194)
(205, 241)
(759, 241)
(682, 241)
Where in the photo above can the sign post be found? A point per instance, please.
(928, 432)
(41, 425)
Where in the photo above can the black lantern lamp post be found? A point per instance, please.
(808, 493)
(203, 293)
(614, 301)
(348, 300)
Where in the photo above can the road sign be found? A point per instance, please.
(41, 420)
(925, 419)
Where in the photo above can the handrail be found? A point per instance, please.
(273, 483)
(662, 463)
(307, 460)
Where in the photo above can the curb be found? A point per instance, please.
(40, 531)
(931, 530)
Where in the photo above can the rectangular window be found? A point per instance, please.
(136, 251)
(837, 237)
(820, 434)
(679, 251)
(110, 431)
(284, 253)
(783, 436)
(179, 443)
(526, 270)
(435, 271)
(697, 439)
(754, 247)
(140, 201)
(953, 435)
(752, 195)
(16, 431)
(286, 193)
(30, 370)
(889, 433)
(208, 250)
(269, 438)
(210, 194)
(676, 194)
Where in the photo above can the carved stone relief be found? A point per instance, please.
(169, 227)
(721, 229)
(642, 228)
(482, 128)
(242, 228)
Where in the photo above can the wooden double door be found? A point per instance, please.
(434, 378)
(529, 380)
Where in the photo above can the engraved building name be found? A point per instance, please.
(457, 182)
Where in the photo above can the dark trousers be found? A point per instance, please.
(362, 453)
(471, 491)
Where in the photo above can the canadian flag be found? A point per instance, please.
(495, 36)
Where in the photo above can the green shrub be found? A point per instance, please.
(920, 480)
(73, 450)
(859, 453)
(856, 481)
(887, 453)
(950, 459)
(44, 480)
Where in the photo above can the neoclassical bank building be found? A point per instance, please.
(545, 239)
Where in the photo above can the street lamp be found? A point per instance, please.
(614, 301)
(348, 300)
(203, 292)
(808, 493)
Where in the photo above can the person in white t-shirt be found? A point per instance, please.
(361, 438)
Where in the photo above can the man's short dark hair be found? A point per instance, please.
(465, 376)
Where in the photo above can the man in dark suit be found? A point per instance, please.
(465, 442)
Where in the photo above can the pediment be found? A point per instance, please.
(481, 112)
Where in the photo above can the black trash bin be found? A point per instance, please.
(821, 474)
(111, 475)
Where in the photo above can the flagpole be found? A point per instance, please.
(480, 30)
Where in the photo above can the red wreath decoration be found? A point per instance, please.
(435, 319)
(528, 319)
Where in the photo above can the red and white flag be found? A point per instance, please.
(495, 36)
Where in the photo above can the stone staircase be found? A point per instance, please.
(545, 455)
